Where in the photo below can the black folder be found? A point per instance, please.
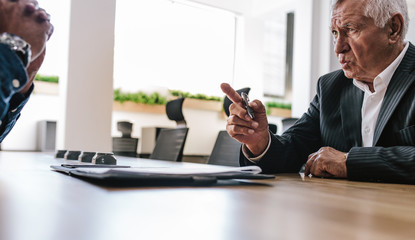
(158, 176)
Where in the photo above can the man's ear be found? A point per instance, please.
(395, 28)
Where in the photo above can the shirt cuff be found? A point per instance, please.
(248, 153)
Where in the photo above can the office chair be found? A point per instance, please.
(272, 128)
(287, 123)
(174, 112)
(226, 151)
(170, 144)
(125, 145)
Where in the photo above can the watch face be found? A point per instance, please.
(18, 45)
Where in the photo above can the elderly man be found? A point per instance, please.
(361, 123)
(24, 30)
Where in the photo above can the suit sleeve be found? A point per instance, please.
(382, 164)
(13, 77)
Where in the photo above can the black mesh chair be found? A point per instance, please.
(125, 145)
(170, 141)
(287, 123)
(226, 151)
(170, 144)
(174, 111)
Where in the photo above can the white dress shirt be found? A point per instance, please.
(372, 103)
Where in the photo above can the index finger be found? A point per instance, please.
(309, 163)
(231, 93)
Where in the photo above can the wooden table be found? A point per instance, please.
(38, 203)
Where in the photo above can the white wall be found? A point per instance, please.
(321, 50)
(236, 6)
(411, 31)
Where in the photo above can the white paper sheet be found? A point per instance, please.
(174, 170)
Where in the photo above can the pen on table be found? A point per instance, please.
(246, 103)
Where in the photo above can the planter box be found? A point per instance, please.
(280, 112)
(42, 87)
(191, 103)
(128, 106)
(208, 105)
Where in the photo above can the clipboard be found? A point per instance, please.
(158, 176)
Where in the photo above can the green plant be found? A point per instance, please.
(276, 104)
(178, 93)
(45, 78)
(139, 97)
(156, 98)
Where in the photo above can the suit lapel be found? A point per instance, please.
(350, 108)
(399, 84)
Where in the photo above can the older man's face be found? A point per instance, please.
(361, 47)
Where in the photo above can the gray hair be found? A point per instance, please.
(382, 10)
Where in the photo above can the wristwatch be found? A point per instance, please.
(18, 45)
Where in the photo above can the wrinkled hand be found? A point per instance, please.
(327, 162)
(25, 19)
(251, 132)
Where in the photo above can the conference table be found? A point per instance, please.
(39, 203)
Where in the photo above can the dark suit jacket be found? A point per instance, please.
(334, 119)
(11, 101)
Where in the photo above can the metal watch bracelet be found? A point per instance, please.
(18, 45)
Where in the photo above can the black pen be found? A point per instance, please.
(246, 103)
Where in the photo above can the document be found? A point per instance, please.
(173, 170)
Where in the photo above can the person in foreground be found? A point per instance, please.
(24, 30)
(361, 123)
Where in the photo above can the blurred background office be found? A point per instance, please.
(104, 49)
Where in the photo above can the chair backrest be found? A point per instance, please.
(287, 123)
(170, 144)
(125, 128)
(125, 145)
(174, 111)
(227, 102)
(226, 151)
(273, 128)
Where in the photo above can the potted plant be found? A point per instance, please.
(278, 108)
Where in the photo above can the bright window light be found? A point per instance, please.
(173, 45)
(56, 61)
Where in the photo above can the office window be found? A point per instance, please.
(174, 45)
(56, 62)
(278, 48)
